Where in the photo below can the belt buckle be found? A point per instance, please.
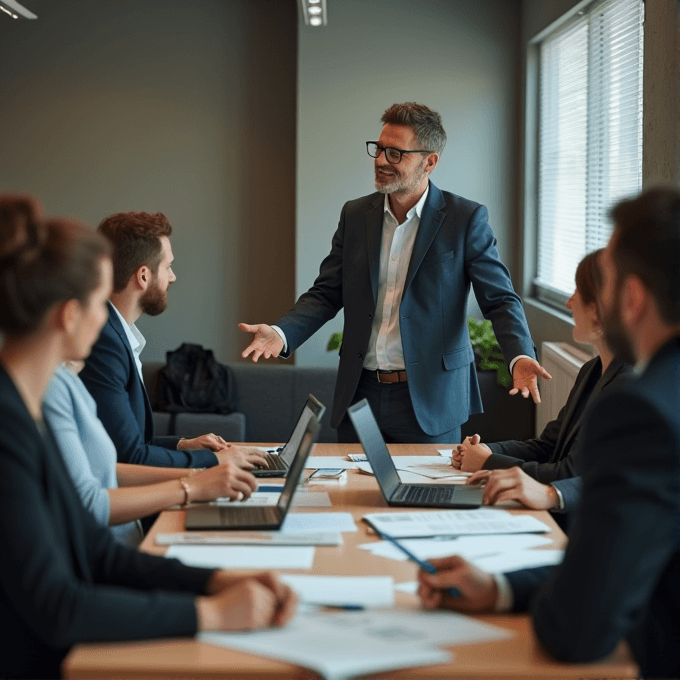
(378, 373)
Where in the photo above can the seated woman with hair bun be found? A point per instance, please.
(63, 577)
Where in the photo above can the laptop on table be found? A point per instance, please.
(279, 460)
(392, 488)
(260, 518)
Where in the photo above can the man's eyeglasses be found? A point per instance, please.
(391, 154)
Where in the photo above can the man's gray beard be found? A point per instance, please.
(398, 186)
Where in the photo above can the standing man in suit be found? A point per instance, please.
(142, 271)
(620, 577)
(401, 265)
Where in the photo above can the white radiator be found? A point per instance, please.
(563, 362)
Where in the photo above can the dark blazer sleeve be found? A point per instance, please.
(570, 489)
(321, 302)
(624, 534)
(106, 376)
(60, 598)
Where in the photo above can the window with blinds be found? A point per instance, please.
(590, 136)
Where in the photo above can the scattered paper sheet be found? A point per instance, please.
(319, 521)
(408, 587)
(312, 499)
(518, 559)
(469, 547)
(446, 453)
(329, 462)
(363, 591)
(257, 498)
(379, 640)
(244, 557)
(454, 523)
(249, 538)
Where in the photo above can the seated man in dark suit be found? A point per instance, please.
(620, 577)
(142, 263)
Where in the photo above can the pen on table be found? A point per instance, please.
(346, 607)
(423, 564)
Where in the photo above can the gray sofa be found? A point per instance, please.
(270, 397)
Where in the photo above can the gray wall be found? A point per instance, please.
(459, 57)
(185, 108)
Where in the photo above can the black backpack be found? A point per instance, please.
(193, 381)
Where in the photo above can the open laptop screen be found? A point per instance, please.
(312, 407)
(295, 471)
(374, 446)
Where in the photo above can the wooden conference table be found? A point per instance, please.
(517, 657)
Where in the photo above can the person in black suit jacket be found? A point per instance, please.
(540, 472)
(620, 577)
(401, 266)
(63, 578)
(142, 271)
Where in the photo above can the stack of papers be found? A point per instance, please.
(453, 523)
(343, 591)
(469, 547)
(367, 642)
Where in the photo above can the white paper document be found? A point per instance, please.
(249, 538)
(408, 587)
(338, 591)
(469, 547)
(454, 523)
(329, 462)
(518, 559)
(367, 642)
(244, 557)
(319, 521)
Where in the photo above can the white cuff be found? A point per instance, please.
(560, 498)
(505, 597)
(283, 337)
(516, 359)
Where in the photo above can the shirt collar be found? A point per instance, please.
(135, 338)
(417, 209)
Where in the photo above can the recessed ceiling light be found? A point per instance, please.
(314, 9)
(313, 12)
(315, 21)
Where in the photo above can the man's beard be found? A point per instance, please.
(154, 300)
(397, 184)
(615, 335)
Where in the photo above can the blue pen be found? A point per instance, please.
(423, 564)
(347, 607)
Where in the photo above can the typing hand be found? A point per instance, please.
(213, 442)
(472, 454)
(266, 341)
(525, 374)
(245, 457)
(478, 590)
(221, 481)
(245, 603)
(514, 484)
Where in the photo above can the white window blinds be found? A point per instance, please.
(590, 136)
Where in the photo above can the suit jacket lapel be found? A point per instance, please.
(431, 219)
(374, 222)
(115, 322)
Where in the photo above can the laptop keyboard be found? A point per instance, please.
(274, 462)
(425, 495)
(247, 516)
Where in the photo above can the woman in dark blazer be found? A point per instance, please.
(63, 578)
(549, 459)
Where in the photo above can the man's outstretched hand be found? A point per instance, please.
(266, 341)
(525, 374)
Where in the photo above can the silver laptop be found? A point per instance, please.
(279, 460)
(392, 488)
(262, 518)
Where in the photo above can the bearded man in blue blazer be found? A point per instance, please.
(401, 265)
(620, 577)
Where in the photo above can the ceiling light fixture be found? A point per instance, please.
(15, 10)
(314, 12)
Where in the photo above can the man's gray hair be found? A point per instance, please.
(426, 123)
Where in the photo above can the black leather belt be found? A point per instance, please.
(389, 376)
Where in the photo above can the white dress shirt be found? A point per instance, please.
(135, 338)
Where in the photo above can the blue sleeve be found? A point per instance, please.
(60, 412)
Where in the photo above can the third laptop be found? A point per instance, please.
(393, 490)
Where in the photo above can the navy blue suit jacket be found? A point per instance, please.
(63, 577)
(123, 406)
(454, 249)
(621, 572)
